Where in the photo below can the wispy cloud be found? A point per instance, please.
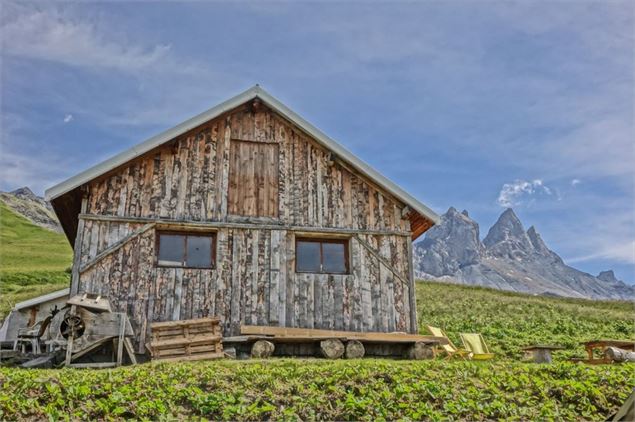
(610, 234)
(68, 118)
(622, 252)
(124, 80)
(37, 171)
(49, 34)
(521, 192)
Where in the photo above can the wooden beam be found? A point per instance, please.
(69, 344)
(412, 292)
(382, 260)
(311, 334)
(77, 251)
(186, 322)
(115, 246)
(95, 365)
(120, 338)
(189, 224)
(128, 344)
(96, 345)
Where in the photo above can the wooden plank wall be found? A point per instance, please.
(254, 283)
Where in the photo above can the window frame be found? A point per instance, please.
(321, 241)
(185, 234)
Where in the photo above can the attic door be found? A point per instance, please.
(253, 179)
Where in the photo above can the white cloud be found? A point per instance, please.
(48, 34)
(159, 86)
(521, 191)
(623, 251)
(68, 118)
(575, 182)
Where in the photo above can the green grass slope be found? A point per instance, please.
(509, 321)
(33, 260)
(312, 389)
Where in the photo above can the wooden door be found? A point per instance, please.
(253, 179)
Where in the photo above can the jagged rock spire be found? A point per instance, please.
(24, 192)
(507, 226)
(452, 244)
(509, 258)
(608, 276)
(507, 237)
(540, 248)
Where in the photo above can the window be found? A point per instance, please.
(186, 250)
(253, 179)
(321, 256)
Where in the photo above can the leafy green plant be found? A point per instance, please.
(290, 389)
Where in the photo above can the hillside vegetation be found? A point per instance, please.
(33, 260)
(301, 389)
(509, 321)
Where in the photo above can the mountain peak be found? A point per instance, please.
(450, 245)
(24, 192)
(507, 227)
(539, 245)
(608, 276)
(535, 239)
(509, 217)
(25, 203)
(511, 259)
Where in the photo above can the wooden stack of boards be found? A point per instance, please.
(192, 339)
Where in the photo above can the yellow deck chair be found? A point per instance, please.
(474, 343)
(450, 349)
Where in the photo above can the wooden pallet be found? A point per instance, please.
(192, 339)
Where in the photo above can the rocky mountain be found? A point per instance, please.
(34, 208)
(508, 258)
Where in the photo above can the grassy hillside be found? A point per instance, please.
(33, 260)
(509, 321)
(312, 389)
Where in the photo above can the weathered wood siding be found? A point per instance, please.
(189, 179)
(254, 283)
(254, 280)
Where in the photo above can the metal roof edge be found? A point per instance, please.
(41, 299)
(253, 92)
(147, 145)
(348, 156)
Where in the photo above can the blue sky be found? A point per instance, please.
(477, 105)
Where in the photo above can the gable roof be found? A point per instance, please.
(248, 95)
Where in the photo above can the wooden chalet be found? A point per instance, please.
(247, 213)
